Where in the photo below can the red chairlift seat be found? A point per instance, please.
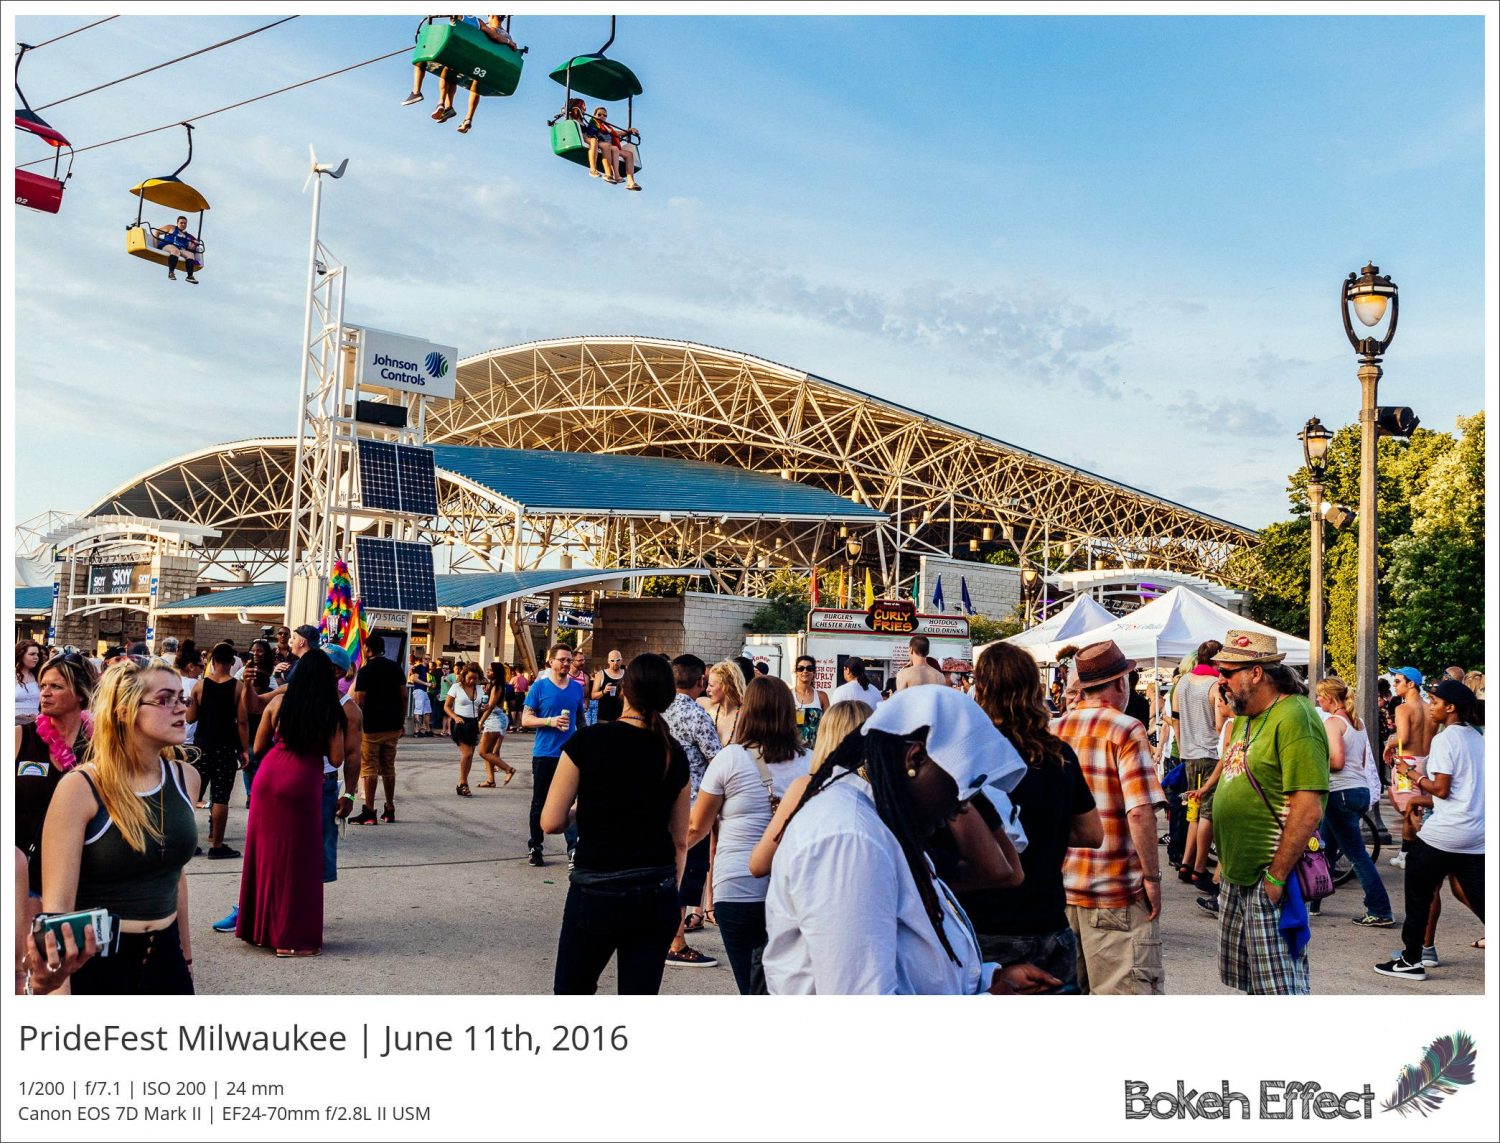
(38, 191)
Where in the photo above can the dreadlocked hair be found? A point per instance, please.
(883, 758)
(1286, 680)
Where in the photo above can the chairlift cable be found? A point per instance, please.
(229, 107)
(169, 63)
(74, 32)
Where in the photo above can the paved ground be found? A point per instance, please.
(444, 902)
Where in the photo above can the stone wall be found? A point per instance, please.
(709, 626)
(209, 630)
(994, 590)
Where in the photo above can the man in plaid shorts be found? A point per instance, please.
(1268, 803)
(1114, 890)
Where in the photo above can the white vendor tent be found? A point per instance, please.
(1172, 626)
(1082, 615)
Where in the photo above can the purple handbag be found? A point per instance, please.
(1312, 870)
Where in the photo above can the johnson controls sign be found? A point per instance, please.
(393, 361)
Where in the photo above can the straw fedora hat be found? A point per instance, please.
(1101, 663)
(1249, 648)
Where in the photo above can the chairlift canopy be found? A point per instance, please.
(36, 125)
(598, 78)
(171, 192)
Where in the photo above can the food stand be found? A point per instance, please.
(879, 636)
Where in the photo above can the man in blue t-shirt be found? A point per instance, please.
(554, 708)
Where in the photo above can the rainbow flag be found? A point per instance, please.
(343, 623)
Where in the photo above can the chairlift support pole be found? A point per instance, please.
(315, 458)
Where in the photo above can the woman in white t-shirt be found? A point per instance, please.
(1350, 771)
(463, 706)
(741, 789)
(857, 686)
(1451, 842)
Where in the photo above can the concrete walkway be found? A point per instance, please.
(443, 901)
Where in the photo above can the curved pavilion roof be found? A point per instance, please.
(922, 483)
(661, 397)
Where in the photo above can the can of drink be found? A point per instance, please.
(1404, 784)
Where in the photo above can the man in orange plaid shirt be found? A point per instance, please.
(1114, 891)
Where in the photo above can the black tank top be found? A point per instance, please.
(139, 886)
(217, 718)
(37, 777)
(611, 706)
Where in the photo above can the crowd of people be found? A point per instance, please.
(990, 837)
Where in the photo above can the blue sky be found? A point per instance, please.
(1113, 241)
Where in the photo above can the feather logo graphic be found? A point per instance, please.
(1444, 1067)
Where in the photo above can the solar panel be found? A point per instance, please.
(377, 573)
(418, 480)
(379, 485)
(414, 577)
(394, 575)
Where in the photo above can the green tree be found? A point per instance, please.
(986, 629)
(1430, 499)
(786, 607)
(1433, 616)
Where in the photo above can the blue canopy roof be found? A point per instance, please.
(249, 597)
(456, 592)
(32, 600)
(603, 483)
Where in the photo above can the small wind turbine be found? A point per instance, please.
(322, 168)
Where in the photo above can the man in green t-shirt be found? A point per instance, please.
(1268, 803)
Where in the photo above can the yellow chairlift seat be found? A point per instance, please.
(141, 237)
(141, 241)
(171, 192)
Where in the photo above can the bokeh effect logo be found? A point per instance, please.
(1445, 1066)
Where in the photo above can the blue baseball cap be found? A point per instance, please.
(339, 656)
(1410, 674)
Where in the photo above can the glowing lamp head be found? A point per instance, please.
(1370, 308)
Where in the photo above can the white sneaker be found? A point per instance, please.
(1399, 860)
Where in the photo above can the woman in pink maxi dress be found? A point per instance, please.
(281, 886)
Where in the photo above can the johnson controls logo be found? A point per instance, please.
(437, 365)
(399, 372)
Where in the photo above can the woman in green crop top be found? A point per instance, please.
(119, 834)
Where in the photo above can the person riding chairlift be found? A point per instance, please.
(494, 29)
(183, 243)
(614, 148)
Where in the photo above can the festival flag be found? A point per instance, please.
(869, 591)
(343, 623)
(812, 589)
(938, 602)
(963, 587)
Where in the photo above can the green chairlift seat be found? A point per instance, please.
(568, 142)
(594, 76)
(598, 78)
(469, 56)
